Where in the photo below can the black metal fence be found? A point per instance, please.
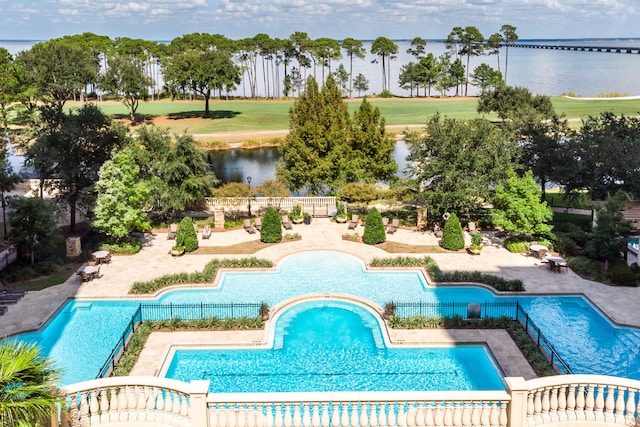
(542, 342)
(199, 311)
(454, 308)
(512, 310)
(172, 311)
(121, 345)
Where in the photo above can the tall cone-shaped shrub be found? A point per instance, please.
(373, 228)
(452, 236)
(271, 231)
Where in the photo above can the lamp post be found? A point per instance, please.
(249, 182)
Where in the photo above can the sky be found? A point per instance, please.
(361, 19)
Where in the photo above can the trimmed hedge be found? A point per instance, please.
(204, 276)
(452, 236)
(271, 231)
(374, 231)
(438, 275)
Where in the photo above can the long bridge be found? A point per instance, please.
(612, 49)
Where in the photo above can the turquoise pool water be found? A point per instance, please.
(81, 336)
(336, 346)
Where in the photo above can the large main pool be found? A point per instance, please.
(82, 334)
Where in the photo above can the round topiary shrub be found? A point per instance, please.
(452, 237)
(186, 236)
(373, 228)
(271, 231)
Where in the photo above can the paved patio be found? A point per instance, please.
(619, 303)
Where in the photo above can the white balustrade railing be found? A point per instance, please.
(569, 400)
(286, 203)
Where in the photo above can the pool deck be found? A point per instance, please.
(619, 303)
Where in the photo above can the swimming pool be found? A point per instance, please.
(80, 337)
(336, 346)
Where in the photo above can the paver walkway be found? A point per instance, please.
(619, 303)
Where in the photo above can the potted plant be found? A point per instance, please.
(389, 310)
(341, 213)
(476, 243)
(296, 214)
(177, 250)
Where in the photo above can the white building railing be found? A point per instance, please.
(308, 203)
(567, 400)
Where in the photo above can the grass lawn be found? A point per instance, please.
(264, 115)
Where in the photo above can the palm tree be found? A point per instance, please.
(27, 385)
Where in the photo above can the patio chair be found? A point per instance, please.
(248, 227)
(173, 230)
(395, 224)
(206, 231)
(385, 222)
(84, 276)
(286, 223)
(258, 223)
(353, 223)
(96, 274)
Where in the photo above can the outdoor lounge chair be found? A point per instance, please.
(195, 227)
(385, 222)
(286, 223)
(248, 227)
(206, 231)
(395, 224)
(258, 223)
(3, 309)
(9, 299)
(173, 230)
(353, 223)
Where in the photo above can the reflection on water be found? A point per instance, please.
(260, 163)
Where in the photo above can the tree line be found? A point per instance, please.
(205, 65)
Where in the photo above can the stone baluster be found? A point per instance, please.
(64, 415)
(484, 416)
(530, 409)
(545, 405)
(353, 421)
(580, 402)
(325, 419)
(553, 405)
(104, 406)
(504, 415)
(364, 417)
(184, 406)
(631, 406)
(122, 404)
(456, 417)
(619, 405)
(84, 410)
(561, 395)
(402, 414)
(467, 408)
(424, 415)
(411, 414)
(610, 404)
(335, 415)
(392, 415)
(261, 418)
(94, 407)
(599, 403)
(589, 403)
(494, 415)
(537, 407)
(437, 417)
(306, 416)
(297, 417)
(475, 415)
(448, 414)
(241, 417)
(279, 416)
(74, 411)
(315, 417)
(344, 415)
(571, 403)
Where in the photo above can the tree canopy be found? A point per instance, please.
(458, 162)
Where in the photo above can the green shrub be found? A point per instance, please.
(452, 237)
(128, 246)
(374, 232)
(621, 274)
(476, 240)
(516, 244)
(565, 245)
(186, 236)
(296, 212)
(271, 231)
(586, 267)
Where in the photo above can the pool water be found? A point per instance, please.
(81, 336)
(334, 346)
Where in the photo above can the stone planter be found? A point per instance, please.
(297, 220)
(176, 252)
(341, 219)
